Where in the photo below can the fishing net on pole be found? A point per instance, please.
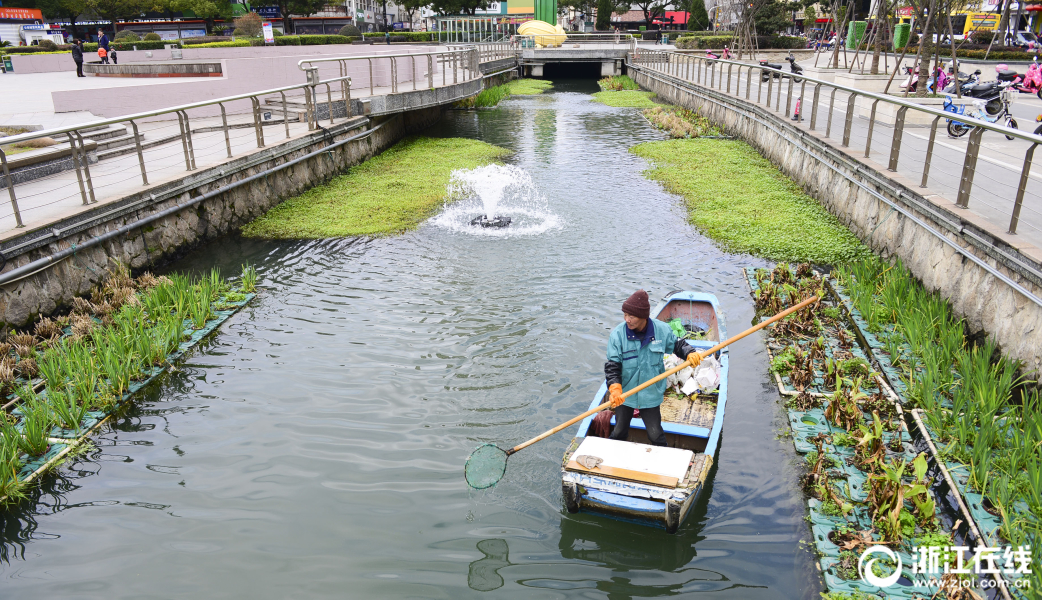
(485, 466)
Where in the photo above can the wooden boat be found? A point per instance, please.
(647, 484)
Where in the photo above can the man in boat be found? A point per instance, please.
(635, 350)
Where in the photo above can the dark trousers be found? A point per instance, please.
(79, 69)
(652, 418)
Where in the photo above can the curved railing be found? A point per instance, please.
(769, 85)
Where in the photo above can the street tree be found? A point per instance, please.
(773, 16)
(209, 10)
(64, 10)
(459, 7)
(697, 17)
(409, 8)
(651, 8)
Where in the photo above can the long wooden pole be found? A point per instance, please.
(659, 378)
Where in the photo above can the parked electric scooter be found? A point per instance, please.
(794, 68)
(766, 75)
(1030, 82)
(912, 80)
(977, 110)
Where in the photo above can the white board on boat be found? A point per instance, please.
(663, 466)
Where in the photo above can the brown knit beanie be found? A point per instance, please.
(637, 305)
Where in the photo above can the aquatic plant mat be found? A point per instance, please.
(743, 202)
(913, 441)
(61, 382)
(390, 193)
(626, 99)
(492, 96)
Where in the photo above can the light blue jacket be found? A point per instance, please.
(642, 362)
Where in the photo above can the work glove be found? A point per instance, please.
(694, 359)
(615, 395)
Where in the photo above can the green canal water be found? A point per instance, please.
(315, 447)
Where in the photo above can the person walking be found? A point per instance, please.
(77, 57)
(635, 351)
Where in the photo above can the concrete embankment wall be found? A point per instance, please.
(48, 290)
(847, 188)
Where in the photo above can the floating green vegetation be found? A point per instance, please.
(617, 83)
(389, 193)
(492, 96)
(528, 87)
(742, 201)
(626, 99)
(87, 362)
(680, 122)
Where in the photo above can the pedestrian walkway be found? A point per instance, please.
(165, 157)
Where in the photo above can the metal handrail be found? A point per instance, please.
(464, 61)
(703, 71)
(890, 99)
(81, 161)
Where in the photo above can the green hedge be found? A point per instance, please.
(405, 36)
(303, 40)
(979, 54)
(92, 48)
(775, 42)
(701, 34)
(235, 44)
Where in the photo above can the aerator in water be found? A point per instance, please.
(484, 221)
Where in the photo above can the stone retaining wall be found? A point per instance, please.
(49, 290)
(988, 304)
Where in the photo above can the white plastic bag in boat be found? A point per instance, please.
(690, 386)
(670, 361)
(707, 375)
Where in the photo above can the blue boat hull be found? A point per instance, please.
(645, 504)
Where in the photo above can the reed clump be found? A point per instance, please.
(70, 367)
(971, 397)
(617, 83)
(680, 122)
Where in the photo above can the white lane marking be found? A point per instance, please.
(1034, 171)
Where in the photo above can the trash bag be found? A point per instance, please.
(678, 328)
(707, 375)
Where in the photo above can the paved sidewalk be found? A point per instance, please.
(26, 99)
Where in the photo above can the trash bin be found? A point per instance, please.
(8, 65)
(665, 38)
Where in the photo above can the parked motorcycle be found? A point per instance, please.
(765, 75)
(977, 110)
(794, 68)
(963, 80)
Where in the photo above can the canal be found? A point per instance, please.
(315, 447)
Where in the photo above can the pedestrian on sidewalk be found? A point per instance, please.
(103, 55)
(77, 57)
(112, 55)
